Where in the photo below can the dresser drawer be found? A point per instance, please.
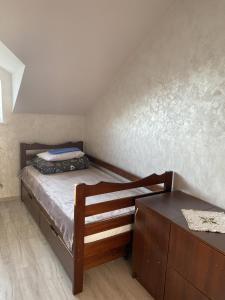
(177, 288)
(150, 248)
(200, 264)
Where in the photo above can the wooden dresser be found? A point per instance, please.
(169, 260)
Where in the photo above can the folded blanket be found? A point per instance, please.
(63, 150)
(53, 167)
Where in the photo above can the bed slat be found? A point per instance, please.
(102, 207)
(107, 244)
(108, 224)
(92, 261)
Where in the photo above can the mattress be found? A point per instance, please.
(56, 194)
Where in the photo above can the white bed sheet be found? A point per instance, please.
(56, 193)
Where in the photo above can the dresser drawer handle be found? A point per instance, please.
(136, 211)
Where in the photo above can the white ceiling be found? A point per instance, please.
(72, 49)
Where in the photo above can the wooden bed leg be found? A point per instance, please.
(127, 252)
(168, 182)
(134, 274)
(78, 275)
(21, 191)
(78, 284)
(78, 241)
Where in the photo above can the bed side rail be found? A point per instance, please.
(109, 187)
(86, 254)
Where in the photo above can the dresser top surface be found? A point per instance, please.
(169, 205)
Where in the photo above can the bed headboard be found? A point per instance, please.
(28, 151)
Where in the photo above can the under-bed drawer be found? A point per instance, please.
(57, 244)
(30, 203)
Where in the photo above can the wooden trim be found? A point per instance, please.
(168, 181)
(108, 224)
(109, 187)
(79, 222)
(39, 146)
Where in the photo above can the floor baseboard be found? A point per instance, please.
(14, 198)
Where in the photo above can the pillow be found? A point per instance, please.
(63, 150)
(59, 157)
(53, 167)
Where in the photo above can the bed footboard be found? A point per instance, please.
(90, 254)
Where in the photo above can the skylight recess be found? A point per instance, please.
(12, 64)
(1, 110)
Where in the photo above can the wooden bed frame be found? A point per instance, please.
(87, 255)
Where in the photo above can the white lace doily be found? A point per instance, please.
(205, 220)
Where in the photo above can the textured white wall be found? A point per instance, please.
(28, 128)
(166, 109)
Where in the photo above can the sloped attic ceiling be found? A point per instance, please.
(72, 48)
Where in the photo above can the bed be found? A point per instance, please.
(85, 215)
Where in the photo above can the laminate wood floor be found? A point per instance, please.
(29, 270)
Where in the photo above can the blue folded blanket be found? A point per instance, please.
(63, 150)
